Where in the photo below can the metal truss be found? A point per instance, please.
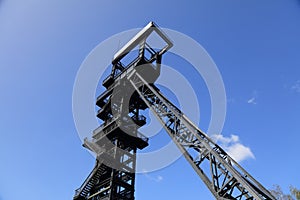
(105, 182)
(224, 177)
(116, 141)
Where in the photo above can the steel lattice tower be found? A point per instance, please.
(129, 89)
(116, 141)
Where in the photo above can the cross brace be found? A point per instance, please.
(224, 177)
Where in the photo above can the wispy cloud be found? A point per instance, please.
(253, 99)
(153, 178)
(230, 100)
(233, 147)
(296, 87)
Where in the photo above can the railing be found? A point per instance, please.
(78, 191)
(129, 130)
(101, 131)
(138, 118)
(119, 73)
(132, 63)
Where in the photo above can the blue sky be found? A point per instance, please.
(255, 45)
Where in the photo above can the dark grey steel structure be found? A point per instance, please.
(130, 89)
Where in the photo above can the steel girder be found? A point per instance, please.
(224, 177)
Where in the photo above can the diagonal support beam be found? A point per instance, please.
(225, 178)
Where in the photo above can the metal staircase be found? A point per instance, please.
(91, 181)
(117, 139)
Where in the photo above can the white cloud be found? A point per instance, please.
(233, 147)
(239, 152)
(252, 101)
(159, 178)
(296, 87)
(226, 140)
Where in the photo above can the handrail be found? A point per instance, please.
(116, 118)
(136, 60)
(79, 190)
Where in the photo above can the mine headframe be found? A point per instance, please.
(117, 139)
